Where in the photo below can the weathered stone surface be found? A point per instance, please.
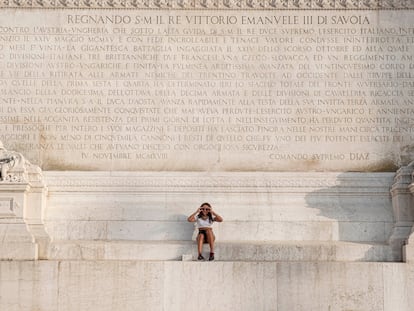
(134, 285)
(97, 215)
(273, 206)
(225, 251)
(189, 90)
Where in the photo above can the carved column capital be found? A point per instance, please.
(402, 180)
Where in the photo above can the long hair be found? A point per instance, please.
(210, 217)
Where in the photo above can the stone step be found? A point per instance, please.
(225, 251)
(116, 285)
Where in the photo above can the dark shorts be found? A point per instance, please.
(204, 233)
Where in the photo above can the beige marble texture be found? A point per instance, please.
(131, 285)
(208, 90)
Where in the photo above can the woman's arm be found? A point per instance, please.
(216, 216)
(192, 217)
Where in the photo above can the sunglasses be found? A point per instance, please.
(206, 209)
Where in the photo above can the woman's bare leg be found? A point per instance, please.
(200, 242)
(211, 238)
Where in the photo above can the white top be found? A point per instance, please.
(201, 223)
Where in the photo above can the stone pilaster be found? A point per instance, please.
(402, 203)
(408, 249)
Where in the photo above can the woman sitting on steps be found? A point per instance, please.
(205, 217)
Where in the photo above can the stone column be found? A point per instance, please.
(402, 203)
(22, 200)
(408, 249)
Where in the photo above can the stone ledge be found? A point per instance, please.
(216, 182)
(225, 251)
(18, 251)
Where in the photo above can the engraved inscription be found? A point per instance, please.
(197, 90)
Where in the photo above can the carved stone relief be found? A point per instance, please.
(14, 168)
(213, 4)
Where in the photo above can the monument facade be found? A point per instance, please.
(294, 119)
(209, 90)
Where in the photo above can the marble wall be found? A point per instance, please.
(221, 286)
(208, 90)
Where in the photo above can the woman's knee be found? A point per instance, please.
(211, 236)
(200, 238)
